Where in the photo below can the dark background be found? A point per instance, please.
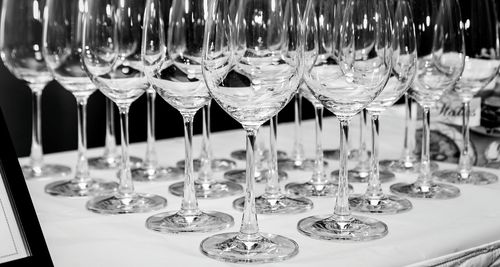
(59, 125)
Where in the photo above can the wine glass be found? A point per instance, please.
(205, 185)
(62, 47)
(274, 201)
(319, 185)
(354, 68)
(251, 39)
(441, 56)
(172, 54)
(404, 65)
(112, 35)
(481, 67)
(150, 170)
(206, 155)
(110, 158)
(21, 52)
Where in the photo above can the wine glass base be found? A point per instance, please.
(309, 189)
(126, 203)
(334, 154)
(475, 177)
(240, 176)
(217, 164)
(216, 189)
(332, 227)
(291, 165)
(75, 188)
(264, 248)
(156, 174)
(385, 204)
(401, 166)
(47, 170)
(242, 154)
(200, 222)
(355, 176)
(280, 204)
(432, 191)
(103, 163)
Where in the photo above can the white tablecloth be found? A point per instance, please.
(434, 228)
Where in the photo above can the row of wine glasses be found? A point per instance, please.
(251, 57)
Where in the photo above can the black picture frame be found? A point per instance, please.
(22, 205)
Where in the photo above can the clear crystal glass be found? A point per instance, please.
(62, 46)
(172, 52)
(404, 65)
(481, 67)
(251, 66)
(112, 35)
(351, 69)
(441, 55)
(21, 52)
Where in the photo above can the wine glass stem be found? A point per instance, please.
(189, 204)
(425, 178)
(36, 156)
(110, 140)
(363, 164)
(465, 164)
(342, 203)
(151, 160)
(272, 187)
(374, 189)
(205, 173)
(82, 166)
(409, 139)
(249, 227)
(126, 185)
(319, 174)
(298, 150)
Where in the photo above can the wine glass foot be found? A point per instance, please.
(402, 166)
(475, 177)
(216, 189)
(242, 154)
(334, 154)
(126, 203)
(431, 191)
(280, 204)
(385, 204)
(310, 189)
(239, 176)
(156, 174)
(103, 163)
(355, 176)
(303, 165)
(185, 222)
(76, 188)
(352, 228)
(46, 170)
(217, 164)
(237, 248)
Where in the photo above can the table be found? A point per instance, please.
(427, 235)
